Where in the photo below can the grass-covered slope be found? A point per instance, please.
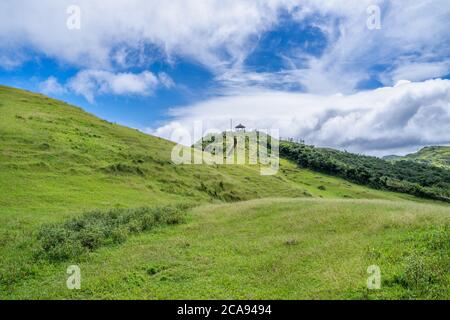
(436, 155)
(270, 249)
(56, 158)
(57, 161)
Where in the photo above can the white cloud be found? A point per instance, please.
(221, 34)
(421, 71)
(389, 120)
(166, 80)
(412, 33)
(51, 86)
(10, 60)
(90, 83)
(211, 32)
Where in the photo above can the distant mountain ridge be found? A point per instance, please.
(434, 155)
(419, 179)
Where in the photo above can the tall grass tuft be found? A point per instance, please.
(76, 237)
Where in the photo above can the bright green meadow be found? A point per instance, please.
(78, 190)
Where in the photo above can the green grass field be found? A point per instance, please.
(269, 249)
(313, 238)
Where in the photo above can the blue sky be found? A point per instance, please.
(136, 110)
(313, 69)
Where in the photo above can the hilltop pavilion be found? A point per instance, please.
(240, 128)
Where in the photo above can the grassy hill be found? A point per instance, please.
(57, 161)
(56, 158)
(438, 156)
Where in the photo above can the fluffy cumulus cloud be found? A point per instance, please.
(411, 33)
(51, 86)
(92, 83)
(421, 71)
(388, 120)
(89, 83)
(193, 28)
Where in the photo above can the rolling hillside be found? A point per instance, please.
(56, 158)
(438, 156)
(57, 161)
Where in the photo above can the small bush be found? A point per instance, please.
(418, 275)
(218, 190)
(122, 168)
(425, 268)
(71, 239)
(291, 242)
(44, 146)
(438, 239)
(155, 269)
(119, 235)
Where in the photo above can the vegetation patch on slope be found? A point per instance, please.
(74, 239)
(84, 234)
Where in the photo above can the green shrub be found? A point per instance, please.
(155, 269)
(44, 146)
(218, 190)
(438, 239)
(418, 275)
(426, 266)
(78, 236)
(291, 242)
(123, 168)
(119, 235)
